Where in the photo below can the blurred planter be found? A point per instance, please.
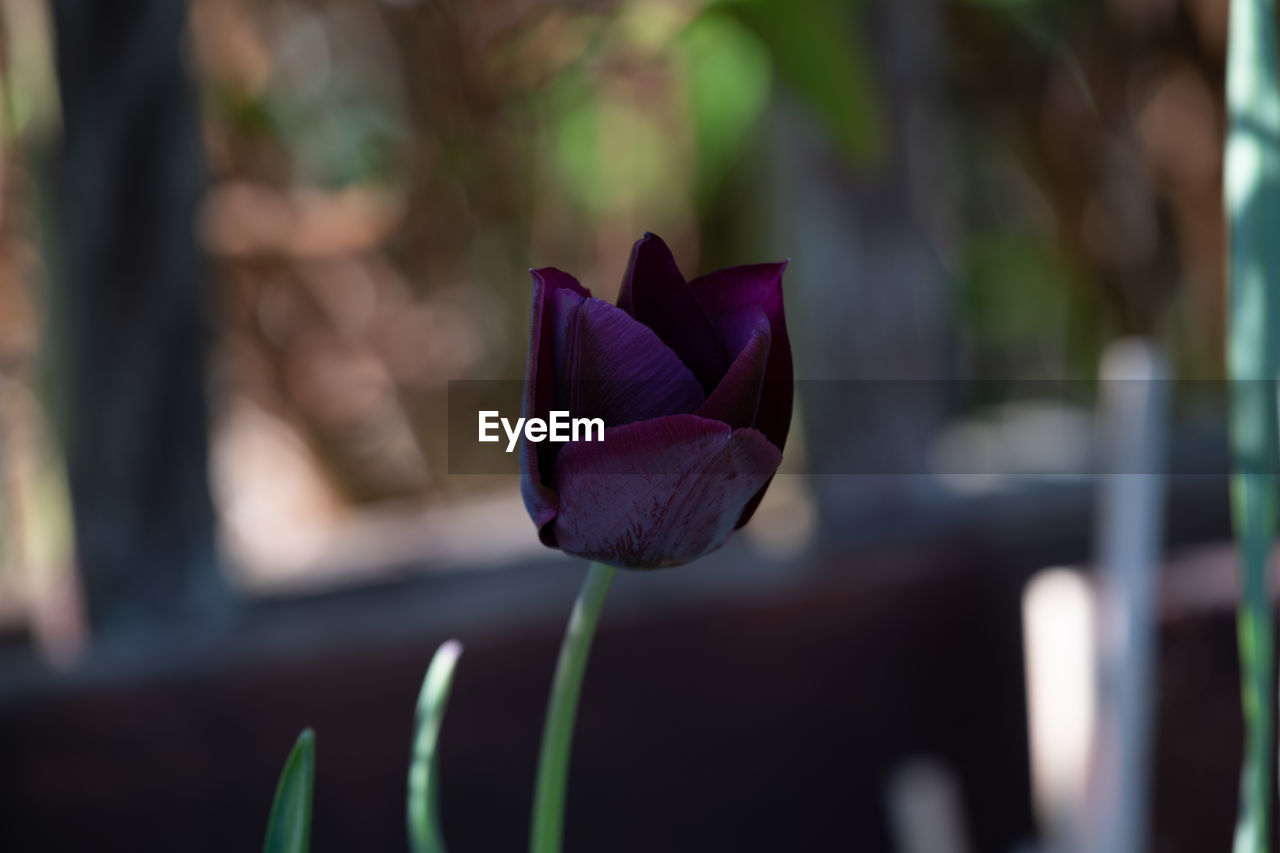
(791, 701)
(786, 691)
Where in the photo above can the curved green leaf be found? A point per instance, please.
(424, 826)
(289, 828)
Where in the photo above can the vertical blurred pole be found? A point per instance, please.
(1130, 528)
(130, 319)
(867, 284)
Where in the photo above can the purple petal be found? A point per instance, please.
(736, 399)
(556, 280)
(660, 492)
(555, 297)
(623, 373)
(595, 361)
(729, 297)
(656, 294)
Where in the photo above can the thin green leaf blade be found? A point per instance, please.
(289, 828)
(424, 784)
(1251, 174)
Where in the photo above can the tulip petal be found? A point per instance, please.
(556, 279)
(736, 399)
(624, 373)
(656, 294)
(592, 360)
(555, 295)
(729, 297)
(660, 492)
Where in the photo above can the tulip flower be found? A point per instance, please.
(692, 380)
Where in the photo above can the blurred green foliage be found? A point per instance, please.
(728, 79)
(819, 53)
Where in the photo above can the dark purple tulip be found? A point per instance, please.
(693, 382)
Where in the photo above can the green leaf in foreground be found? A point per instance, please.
(289, 829)
(424, 786)
(1251, 191)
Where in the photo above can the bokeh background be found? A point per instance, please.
(245, 245)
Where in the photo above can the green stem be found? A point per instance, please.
(562, 710)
